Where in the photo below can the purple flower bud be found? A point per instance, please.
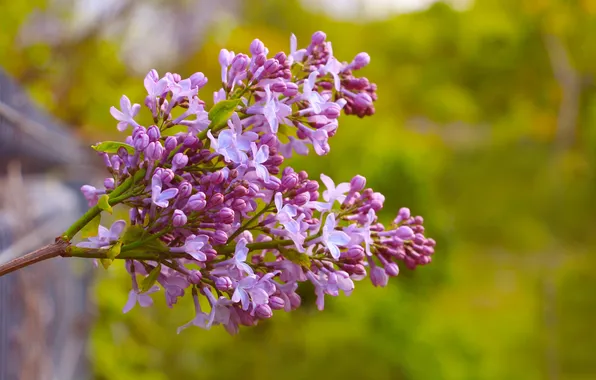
(123, 153)
(225, 57)
(276, 303)
(240, 62)
(240, 191)
(295, 300)
(153, 133)
(116, 163)
(275, 160)
(312, 186)
(210, 253)
(217, 177)
(190, 141)
(196, 202)
(314, 195)
(355, 253)
(318, 38)
(179, 161)
(154, 151)
(109, 183)
(171, 143)
(223, 283)
(216, 199)
(179, 218)
(184, 189)
(225, 215)
(378, 277)
(362, 100)
(289, 181)
(361, 60)
(239, 204)
(333, 111)
(357, 183)
(263, 311)
(391, 269)
(220, 237)
(271, 66)
(259, 60)
(167, 176)
(195, 277)
(198, 80)
(281, 57)
(133, 214)
(245, 318)
(273, 184)
(257, 47)
(279, 86)
(301, 199)
(91, 194)
(291, 89)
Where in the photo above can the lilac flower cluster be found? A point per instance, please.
(214, 214)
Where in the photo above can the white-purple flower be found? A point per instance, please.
(237, 265)
(332, 238)
(158, 197)
(126, 114)
(273, 109)
(104, 236)
(260, 156)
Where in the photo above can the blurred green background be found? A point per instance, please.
(485, 125)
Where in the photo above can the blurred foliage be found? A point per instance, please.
(485, 125)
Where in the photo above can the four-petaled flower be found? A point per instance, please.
(332, 238)
(236, 263)
(158, 197)
(260, 156)
(126, 115)
(104, 236)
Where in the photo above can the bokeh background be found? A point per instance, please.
(485, 125)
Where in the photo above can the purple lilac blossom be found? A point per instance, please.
(228, 221)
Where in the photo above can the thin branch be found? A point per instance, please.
(48, 252)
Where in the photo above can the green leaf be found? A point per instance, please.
(106, 263)
(91, 228)
(112, 147)
(114, 250)
(136, 233)
(296, 257)
(103, 203)
(221, 112)
(150, 280)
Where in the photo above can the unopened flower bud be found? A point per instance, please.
(171, 143)
(257, 47)
(357, 183)
(198, 80)
(378, 277)
(179, 161)
(361, 60)
(264, 311)
(179, 218)
(109, 183)
(391, 269)
(223, 283)
(318, 38)
(225, 215)
(276, 303)
(195, 277)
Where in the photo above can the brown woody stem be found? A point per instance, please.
(44, 253)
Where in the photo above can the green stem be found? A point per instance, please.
(140, 243)
(245, 225)
(90, 253)
(116, 196)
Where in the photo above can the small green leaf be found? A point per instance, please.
(136, 233)
(106, 263)
(296, 257)
(150, 280)
(114, 250)
(112, 147)
(91, 228)
(221, 112)
(104, 204)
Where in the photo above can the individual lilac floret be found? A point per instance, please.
(104, 236)
(126, 114)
